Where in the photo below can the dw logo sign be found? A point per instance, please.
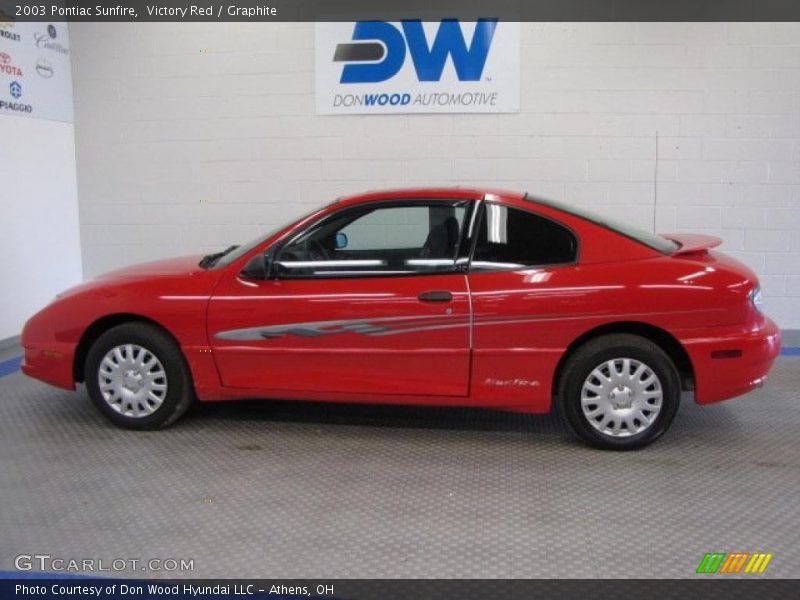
(387, 53)
(415, 66)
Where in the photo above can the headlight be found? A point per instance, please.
(756, 299)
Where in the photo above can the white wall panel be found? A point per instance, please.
(39, 232)
(193, 136)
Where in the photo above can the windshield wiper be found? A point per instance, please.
(209, 259)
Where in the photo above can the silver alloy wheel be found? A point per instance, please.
(621, 397)
(132, 380)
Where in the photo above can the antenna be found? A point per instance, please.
(655, 187)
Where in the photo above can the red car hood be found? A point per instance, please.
(184, 269)
(183, 265)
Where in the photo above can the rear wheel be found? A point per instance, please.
(619, 392)
(137, 377)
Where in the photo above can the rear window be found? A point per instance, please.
(651, 240)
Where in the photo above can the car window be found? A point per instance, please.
(651, 240)
(238, 251)
(510, 238)
(398, 227)
(417, 237)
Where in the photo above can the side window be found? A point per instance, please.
(389, 228)
(511, 238)
(396, 239)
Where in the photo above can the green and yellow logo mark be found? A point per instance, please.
(720, 562)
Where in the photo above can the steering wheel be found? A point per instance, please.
(315, 251)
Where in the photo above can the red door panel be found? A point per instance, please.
(357, 335)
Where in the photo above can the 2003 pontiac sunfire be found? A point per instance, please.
(455, 297)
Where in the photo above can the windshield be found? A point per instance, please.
(238, 252)
(651, 240)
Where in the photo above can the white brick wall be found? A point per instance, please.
(193, 136)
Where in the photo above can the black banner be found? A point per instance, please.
(393, 10)
(703, 587)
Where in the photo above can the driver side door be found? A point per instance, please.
(368, 301)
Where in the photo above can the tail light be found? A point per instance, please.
(757, 299)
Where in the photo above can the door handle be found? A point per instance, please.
(437, 296)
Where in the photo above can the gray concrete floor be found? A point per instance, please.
(791, 337)
(308, 490)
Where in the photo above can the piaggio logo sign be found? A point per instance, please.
(15, 90)
(415, 66)
(734, 562)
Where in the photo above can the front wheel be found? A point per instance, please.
(137, 377)
(619, 392)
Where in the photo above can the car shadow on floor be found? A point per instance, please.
(371, 415)
(691, 421)
(420, 417)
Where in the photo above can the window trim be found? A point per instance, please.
(469, 204)
(466, 245)
(479, 224)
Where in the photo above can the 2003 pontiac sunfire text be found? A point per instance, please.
(210, 11)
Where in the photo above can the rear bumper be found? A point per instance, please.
(732, 361)
(51, 364)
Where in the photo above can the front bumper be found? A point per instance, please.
(732, 361)
(51, 363)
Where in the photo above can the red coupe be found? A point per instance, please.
(457, 297)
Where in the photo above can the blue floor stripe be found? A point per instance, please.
(790, 351)
(7, 367)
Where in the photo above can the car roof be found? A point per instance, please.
(457, 192)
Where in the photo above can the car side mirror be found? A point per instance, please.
(258, 267)
(341, 240)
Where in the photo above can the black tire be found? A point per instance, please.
(596, 353)
(179, 393)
